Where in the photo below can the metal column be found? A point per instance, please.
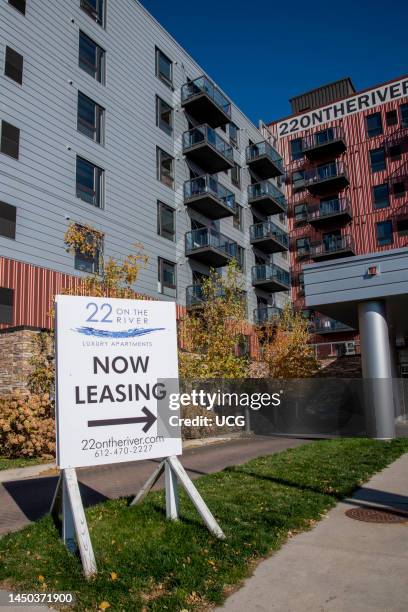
(377, 371)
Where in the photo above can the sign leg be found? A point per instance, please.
(75, 521)
(172, 497)
(195, 497)
(149, 484)
(56, 501)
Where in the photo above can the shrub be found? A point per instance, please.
(27, 426)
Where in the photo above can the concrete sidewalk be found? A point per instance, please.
(342, 565)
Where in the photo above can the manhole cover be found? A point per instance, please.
(373, 515)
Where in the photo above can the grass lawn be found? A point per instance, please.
(9, 464)
(147, 563)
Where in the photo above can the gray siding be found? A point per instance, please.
(41, 184)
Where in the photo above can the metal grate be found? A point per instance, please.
(374, 515)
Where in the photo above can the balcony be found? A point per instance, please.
(268, 237)
(266, 198)
(326, 179)
(270, 277)
(327, 143)
(330, 248)
(207, 196)
(265, 315)
(263, 160)
(329, 326)
(336, 210)
(205, 102)
(210, 247)
(195, 295)
(207, 149)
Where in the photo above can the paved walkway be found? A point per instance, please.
(342, 565)
(23, 500)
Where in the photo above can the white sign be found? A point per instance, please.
(349, 106)
(111, 358)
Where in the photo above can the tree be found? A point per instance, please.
(211, 332)
(287, 351)
(111, 279)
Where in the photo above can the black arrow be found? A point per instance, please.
(148, 420)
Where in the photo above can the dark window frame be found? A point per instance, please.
(402, 227)
(6, 305)
(86, 128)
(98, 13)
(8, 220)
(294, 155)
(391, 117)
(236, 175)
(8, 145)
(98, 70)
(388, 238)
(374, 167)
(403, 113)
(398, 189)
(160, 75)
(167, 179)
(161, 230)
(86, 194)
(376, 130)
(163, 284)
(167, 128)
(13, 65)
(238, 217)
(378, 203)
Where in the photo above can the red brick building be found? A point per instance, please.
(346, 157)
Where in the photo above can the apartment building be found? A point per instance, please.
(106, 121)
(346, 156)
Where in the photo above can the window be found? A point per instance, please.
(13, 65)
(236, 175)
(296, 148)
(167, 277)
(398, 189)
(301, 283)
(233, 134)
(395, 152)
(241, 257)
(10, 140)
(6, 305)
(166, 225)
(88, 263)
(302, 247)
(164, 116)
(164, 68)
(324, 136)
(90, 118)
(300, 213)
(377, 159)
(89, 182)
(384, 233)
(298, 179)
(404, 115)
(91, 58)
(402, 227)
(374, 125)
(7, 220)
(20, 5)
(327, 170)
(165, 168)
(391, 117)
(381, 196)
(95, 9)
(237, 218)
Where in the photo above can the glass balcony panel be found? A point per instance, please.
(266, 189)
(204, 85)
(208, 184)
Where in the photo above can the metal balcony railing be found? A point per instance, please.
(324, 137)
(335, 244)
(266, 314)
(325, 172)
(204, 134)
(268, 229)
(203, 85)
(324, 326)
(330, 350)
(329, 208)
(208, 237)
(270, 272)
(266, 189)
(255, 151)
(208, 184)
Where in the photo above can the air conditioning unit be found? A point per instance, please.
(350, 348)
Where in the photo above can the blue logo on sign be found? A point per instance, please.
(105, 333)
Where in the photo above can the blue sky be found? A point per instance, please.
(262, 52)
